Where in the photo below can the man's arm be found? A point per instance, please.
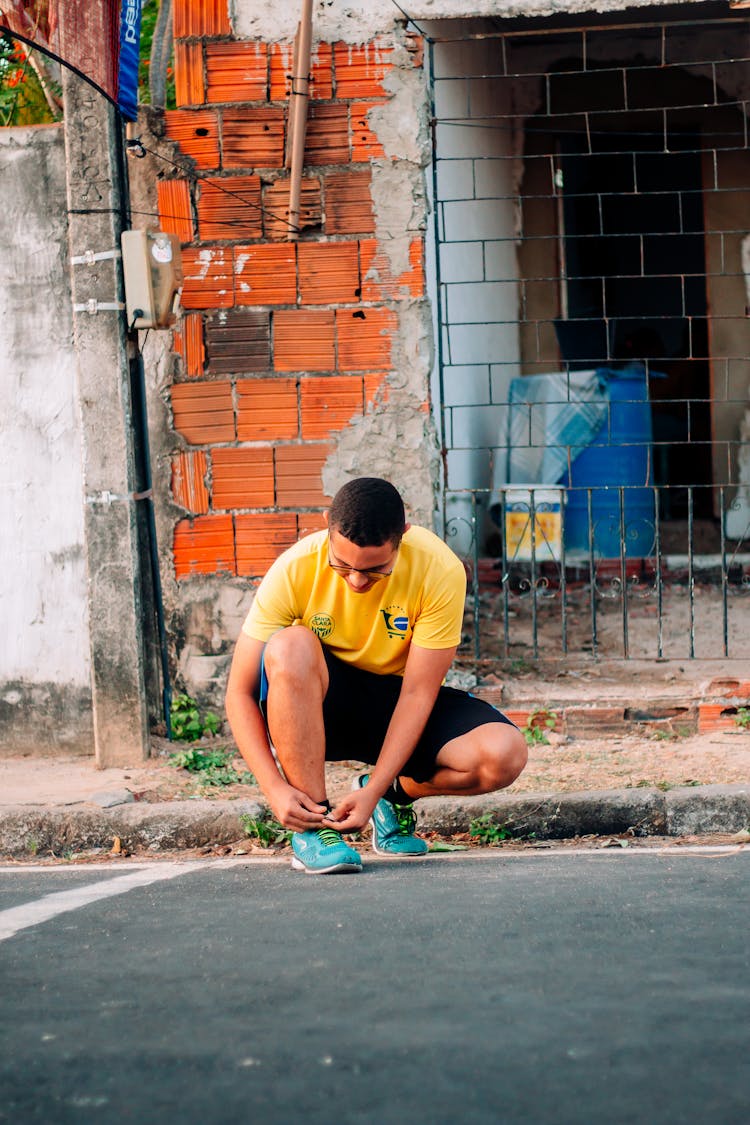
(424, 673)
(292, 808)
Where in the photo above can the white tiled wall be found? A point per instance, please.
(477, 263)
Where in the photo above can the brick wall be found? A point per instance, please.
(283, 344)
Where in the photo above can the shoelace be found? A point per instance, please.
(407, 819)
(328, 836)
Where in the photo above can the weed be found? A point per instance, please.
(535, 731)
(267, 831)
(487, 831)
(742, 718)
(186, 723)
(213, 766)
(518, 666)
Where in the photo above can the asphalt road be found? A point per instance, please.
(541, 988)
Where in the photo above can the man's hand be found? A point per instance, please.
(353, 811)
(294, 809)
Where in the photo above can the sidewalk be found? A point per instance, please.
(606, 786)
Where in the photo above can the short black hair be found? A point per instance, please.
(369, 512)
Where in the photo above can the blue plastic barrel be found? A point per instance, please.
(617, 463)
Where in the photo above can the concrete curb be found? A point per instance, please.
(39, 830)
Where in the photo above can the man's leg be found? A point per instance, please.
(487, 758)
(297, 684)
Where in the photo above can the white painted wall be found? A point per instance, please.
(42, 595)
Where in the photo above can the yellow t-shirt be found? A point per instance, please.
(422, 601)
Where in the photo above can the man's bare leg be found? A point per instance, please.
(488, 758)
(297, 684)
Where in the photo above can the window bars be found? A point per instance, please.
(591, 189)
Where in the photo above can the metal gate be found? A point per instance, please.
(591, 190)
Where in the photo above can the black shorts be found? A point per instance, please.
(358, 707)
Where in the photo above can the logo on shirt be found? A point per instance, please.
(322, 625)
(396, 621)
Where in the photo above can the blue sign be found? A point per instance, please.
(130, 40)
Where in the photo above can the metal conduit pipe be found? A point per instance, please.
(298, 103)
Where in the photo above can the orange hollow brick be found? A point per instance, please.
(329, 403)
(303, 340)
(229, 207)
(267, 409)
(364, 338)
(379, 284)
(188, 343)
(328, 273)
(208, 278)
(365, 143)
(261, 538)
(376, 389)
(276, 207)
(188, 74)
(189, 481)
(265, 274)
(194, 18)
(236, 72)
(175, 208)
(348, 203)
(204, 546)
(360, 70)
(280, 72)
(197, 134)
(203, 412)
(253, 138)
(311, 521)
(716, 717)
(242, 478)
(327, 139)
(299, 471)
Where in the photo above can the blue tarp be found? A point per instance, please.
(553, 416)
(130, 40)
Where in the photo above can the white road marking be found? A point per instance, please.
(60, 902)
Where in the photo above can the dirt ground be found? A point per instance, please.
(661, 760)
(564, 765)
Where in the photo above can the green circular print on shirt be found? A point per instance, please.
(322, 624)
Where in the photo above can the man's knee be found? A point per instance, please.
(503, 753)
(294, 653)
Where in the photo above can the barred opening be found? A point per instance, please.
(591, 185)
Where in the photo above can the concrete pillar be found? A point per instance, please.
(115, 591)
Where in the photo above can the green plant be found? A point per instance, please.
(187, 725)
(742, 718)
(267, 831)
(213, 766)
(487, 831)
(540, 721)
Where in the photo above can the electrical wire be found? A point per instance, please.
(195, 178)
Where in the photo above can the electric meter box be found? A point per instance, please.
(152, 268)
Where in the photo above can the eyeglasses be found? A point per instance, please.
(371, 575)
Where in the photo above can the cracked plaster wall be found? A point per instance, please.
(361, 21)
(45, 696)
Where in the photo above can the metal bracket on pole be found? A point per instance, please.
(93, 306)
(107, 497)
(90, 256)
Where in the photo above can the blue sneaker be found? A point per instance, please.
(322, 852)
(393, 827)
